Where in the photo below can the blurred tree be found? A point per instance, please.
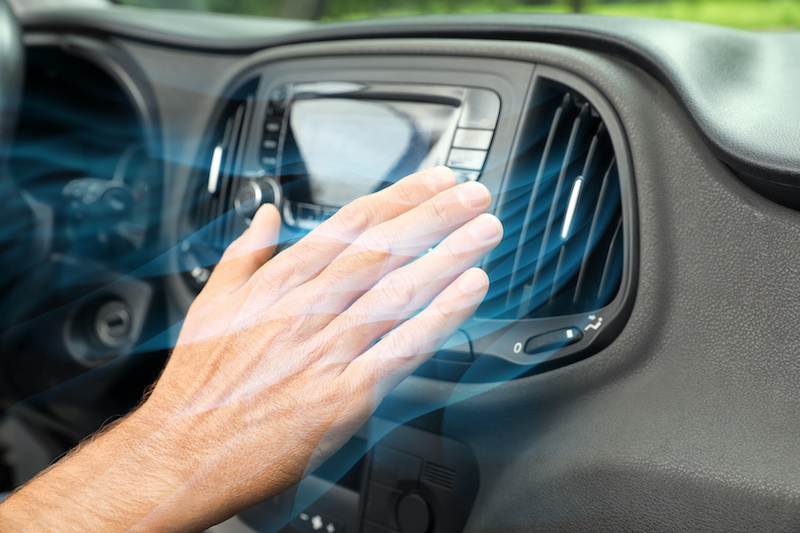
(576, 6)
(303, 9)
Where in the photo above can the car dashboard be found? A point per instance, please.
(634, 366)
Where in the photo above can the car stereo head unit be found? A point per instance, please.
(327, 143)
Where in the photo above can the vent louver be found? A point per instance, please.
(214, 213)
(563, 252)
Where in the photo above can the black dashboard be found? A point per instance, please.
(634, 366)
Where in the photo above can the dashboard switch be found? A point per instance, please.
(468, 159)
(272, 126)
(553, 340)
(380, 504)
(473, 139)
(481, 110)
(463, 176)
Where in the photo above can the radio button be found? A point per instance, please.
(272, 126)
(480, 110)
(463, 176)
(474, 139)
(467, 159)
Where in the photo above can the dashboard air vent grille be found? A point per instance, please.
(214, 213)
(563, 251)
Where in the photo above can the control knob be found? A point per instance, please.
(256, 192)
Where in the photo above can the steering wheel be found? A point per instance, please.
(14, 251)
(11, 63)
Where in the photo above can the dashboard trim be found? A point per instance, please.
(738, 110)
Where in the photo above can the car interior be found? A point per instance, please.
(636, 363)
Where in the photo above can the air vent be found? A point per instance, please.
(212, 223)
(214, 214)
(563, 251)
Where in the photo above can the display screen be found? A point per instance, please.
(338, 149)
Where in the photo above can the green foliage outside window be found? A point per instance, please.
(751, 14)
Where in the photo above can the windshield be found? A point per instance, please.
(747, 14)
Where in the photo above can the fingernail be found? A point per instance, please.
(440, 178)
(473, 280)
(485, 227)
(473, 194)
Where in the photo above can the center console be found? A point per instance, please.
(412, 481)
(310, 134)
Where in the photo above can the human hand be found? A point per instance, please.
(280, 358)
(280, 361)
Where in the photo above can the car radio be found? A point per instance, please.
(325, 144)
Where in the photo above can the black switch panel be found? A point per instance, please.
(419, 483)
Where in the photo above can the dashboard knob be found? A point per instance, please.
(113, 324)
(413, 514)
(255, 193)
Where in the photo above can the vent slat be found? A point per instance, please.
(610, 268)
(214, 211)
(522, 268)
(226, 176)
(206, 208)
(544, 262)
(595, 228)
(592, 155)
(238, 166)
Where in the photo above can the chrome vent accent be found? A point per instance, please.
(214, 213)
(563, 251)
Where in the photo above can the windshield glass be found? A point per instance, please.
(748, 14)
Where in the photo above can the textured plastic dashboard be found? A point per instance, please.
(688, 420)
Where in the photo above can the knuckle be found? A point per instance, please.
(404, 194)
(266, 286)
(293, 323)
(289, 269)
(405, 341)
(355, 217)
(398, 291)
(373, 248)
(442, 312)
(440, 214)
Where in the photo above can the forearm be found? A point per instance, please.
(111, 483)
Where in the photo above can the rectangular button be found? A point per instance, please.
(468, 159)
(381, 504)
(475, 139)
(272, 126)
(480, 109)
(463, 176)
(391, 466)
